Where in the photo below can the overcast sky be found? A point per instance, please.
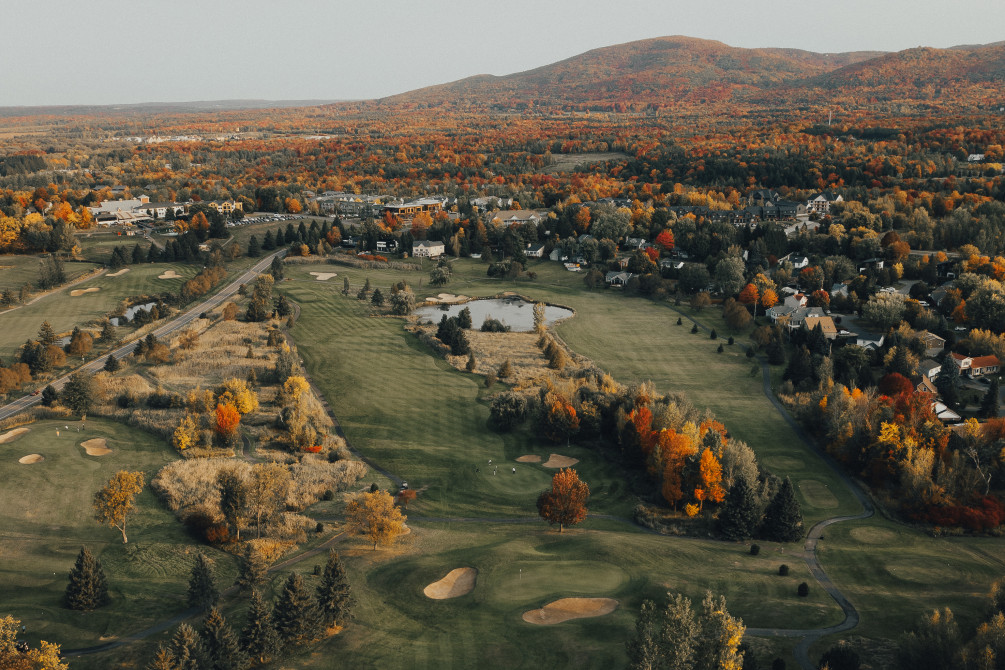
(55, 52)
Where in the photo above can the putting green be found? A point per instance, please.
(923, 570)
(872, 535)
(531, 581)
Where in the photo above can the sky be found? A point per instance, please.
(101, 52)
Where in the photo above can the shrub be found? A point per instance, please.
(803, 590)
(719, 349)
(320, 528)
(694, 328)
(713, 335)
(783, 570)
(750, 352)
(680, 321)
(755, 549)
(730, 340)
(490, 325)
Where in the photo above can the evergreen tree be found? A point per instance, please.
(107, 332)
(202, 591)
(46, 335)
(87, 589)
(800, 367)
(254, 250)
(268, 242)
(253, 569)
(290, 237)
(118, 259)
(49, 395)
(817, 342)
(78, 392)
(989, 405)
(153, 253)
(112, 364)
(276, 269)
(948, 383)
(187, 650)
(296, 614)
(718, 641)
(645, 649)
(283, 307)
(377, 298)
(259, 638)
(464, 318)
(783, 521)
(163, 659)
(334, 597)
(220, 644)
(138, 256)
(738, 518)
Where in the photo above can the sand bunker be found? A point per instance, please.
(96, 447)
(570, 608)
(30, 458)
(170, 274)
(117, 272)
(458, 582)
(558, 461)
(529, 458)
(323, 276)
(81, 291)
(12, 435)
(447, 298)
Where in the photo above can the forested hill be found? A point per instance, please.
(668, 72)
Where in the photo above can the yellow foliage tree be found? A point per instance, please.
(243, 397)
(114, 502)
(186, 434)
(46, 657)
(375, 516)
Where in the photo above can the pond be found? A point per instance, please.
(514, 312)
(131, 312)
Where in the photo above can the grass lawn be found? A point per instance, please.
(46, 516)
(18, 270)
(64, 311)
(524, 567)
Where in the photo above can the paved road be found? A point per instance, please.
(172, 326)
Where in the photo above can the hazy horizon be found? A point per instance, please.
(113, 52)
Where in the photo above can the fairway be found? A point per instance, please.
(64, 310)
(46, 516)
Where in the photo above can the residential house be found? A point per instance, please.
(557, 254)
(534, 251)
(870, 341)
(826, 324)
(512, 217)
(933, 343)
(871, 264)
(427, 249)
(635, 243)
(945, 414)
(617, 278)
(929, 368)
(926, 385)
(976, 366)
(799, 262)
(821, 202)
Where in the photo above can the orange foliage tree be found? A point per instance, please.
(227, 420)
(709, 479)
(565, 502)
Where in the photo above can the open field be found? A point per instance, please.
(18, 270)
(64, 311)
(41, 534)
(427, 427)
(573, 162)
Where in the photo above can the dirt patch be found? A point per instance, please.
(447, 298)
(324, 276)
(117, 273)
(559, 461)
(458, 582)
(31, 458)
(170, 274)
(81, 291)
(529, 458)
(96, 447)
(12, 435)
(566, 609)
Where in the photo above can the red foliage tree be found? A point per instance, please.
(227, 420)
(565, 502)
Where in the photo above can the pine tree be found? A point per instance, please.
(948, 383)
(153, 254)
(989, 405)
(472, 363)
(276, 269)
(268, 242)
(223, 652)
(505, 370)
(738, 518)
(138, 255)
(645, 649)
(202, 591)
(254, 250)
(296, 614)
(187, 650)
(112, 364)
(87, 589)
(253, 568)
(49, 395)
(783, 521)
(259, 638)
(334, 596)
(163, 659)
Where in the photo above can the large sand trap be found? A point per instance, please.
(170, 274)
(117, 272)
(81, 291)
(30, 458)
(323, 276)
(96, 447)
(12, 435)
(570, 608)
(529, 458)
(458, 582)
(447, 298)
(559, 461)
